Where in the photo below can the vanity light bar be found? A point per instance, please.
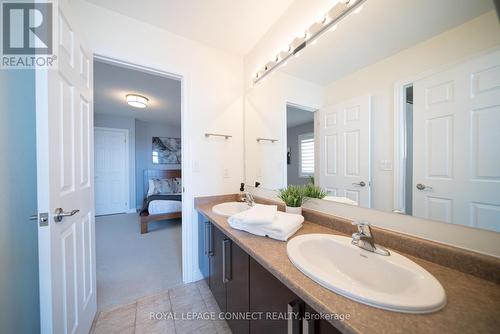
(331, 19)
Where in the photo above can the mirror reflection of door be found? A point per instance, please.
(300, 145)
(455, 144)
(344, 138)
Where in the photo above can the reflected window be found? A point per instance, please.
(306, 154)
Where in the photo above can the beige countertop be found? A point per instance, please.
(473, 304)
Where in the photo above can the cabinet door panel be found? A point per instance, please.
(268, 294)
(316, 325)
(204, 233)
(237, 289)
(217, 286)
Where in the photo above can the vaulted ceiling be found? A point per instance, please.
(234, 26)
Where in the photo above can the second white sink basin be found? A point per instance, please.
(230, 208)
(392, 282)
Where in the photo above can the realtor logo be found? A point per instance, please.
(27, 35)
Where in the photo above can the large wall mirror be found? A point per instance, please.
(396, 109)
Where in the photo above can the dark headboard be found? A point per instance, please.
(158, 174)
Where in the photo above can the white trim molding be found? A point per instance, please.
(190, 271)
(399, 205)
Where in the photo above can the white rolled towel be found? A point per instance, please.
(283, 227)
(343, 200)
(258, 214)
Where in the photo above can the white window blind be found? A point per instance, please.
(306, 154)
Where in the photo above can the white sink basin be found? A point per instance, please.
(392, 282)
(230, 208)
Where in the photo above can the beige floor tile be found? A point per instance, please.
(155, 327)
(195, 326)
(119, 320)
(152, 314)
(187, 300)
(149, 307)
(185, 290)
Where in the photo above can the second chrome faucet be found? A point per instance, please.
(364, 239)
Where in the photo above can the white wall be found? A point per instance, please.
(212, 102)
(265, 116)
(379, 79)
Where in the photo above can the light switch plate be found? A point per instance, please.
(386, 165)
(196, 166)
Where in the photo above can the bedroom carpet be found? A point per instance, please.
(131, 265)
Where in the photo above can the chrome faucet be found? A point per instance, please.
(249, 199)
(364, 239)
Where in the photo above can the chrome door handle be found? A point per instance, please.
(59, 214)
(361, 184)
(226, 261)
(295, 311)
(421, 186)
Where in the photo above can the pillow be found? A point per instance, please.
(166, 186)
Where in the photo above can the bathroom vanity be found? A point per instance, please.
(240, 284)
(248, 273)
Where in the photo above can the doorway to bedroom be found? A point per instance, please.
(138, 182)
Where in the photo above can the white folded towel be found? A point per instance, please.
(283, 227)
(258, 214)
(343, 200)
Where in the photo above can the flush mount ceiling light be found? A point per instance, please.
(328, 23)
(137, 101)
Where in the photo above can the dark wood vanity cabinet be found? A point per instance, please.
(270, 296)
(313, 324)
(237, 287)
(216, 269)
(227, 274)
(240, 284)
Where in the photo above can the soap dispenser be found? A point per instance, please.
(242, 192)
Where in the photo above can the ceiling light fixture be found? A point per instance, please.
(329, 23)
(137, 101)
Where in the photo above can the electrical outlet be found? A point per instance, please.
(226, 173)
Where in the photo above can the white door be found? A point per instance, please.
(456, 177)
(65, 181)
(111, 171)
(344, 141)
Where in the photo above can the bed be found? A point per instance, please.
(159, 205)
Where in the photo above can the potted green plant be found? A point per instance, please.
(293, 196)
(312, 191)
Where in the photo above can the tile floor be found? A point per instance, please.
(136, 317)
